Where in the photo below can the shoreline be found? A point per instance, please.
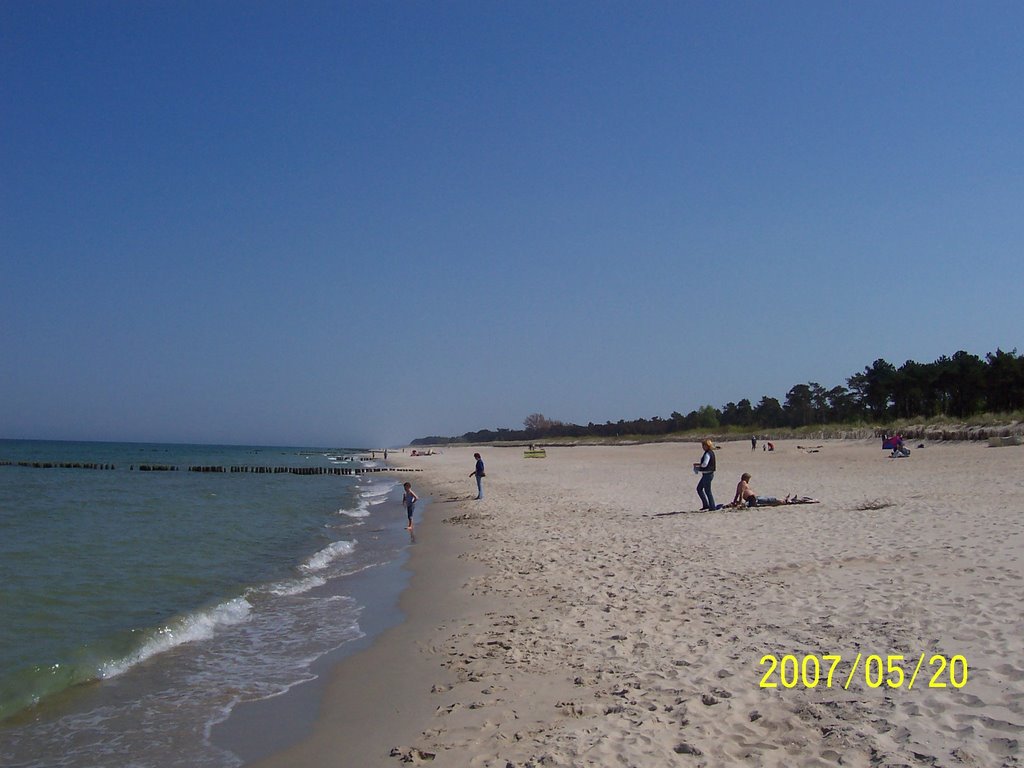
(602, 622)
(256, 729)
(361, 729)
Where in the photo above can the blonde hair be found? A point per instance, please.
(707, 444)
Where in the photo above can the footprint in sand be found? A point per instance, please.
(1003, 747)
(687, 749)
(971, 700)
(1010, 672)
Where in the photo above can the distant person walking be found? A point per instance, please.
(753, 443)
(409, 498)
(706, 469)
(479, 473)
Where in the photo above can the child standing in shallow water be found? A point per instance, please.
(409, 499)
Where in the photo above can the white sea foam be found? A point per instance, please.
(295, 587)
(370, 495)
(377, 491)
(327, 555)
(198, 625)
(360, 511)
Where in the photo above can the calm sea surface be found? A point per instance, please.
(138, 608)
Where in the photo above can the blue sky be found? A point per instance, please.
(361, 223)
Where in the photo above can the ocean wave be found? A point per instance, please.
(172, 724)
(198, 625)
(377, 490)
(327, 555)
(370, 495)
(294, 587)
(361, 511)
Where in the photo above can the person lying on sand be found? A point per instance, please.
(745, 496)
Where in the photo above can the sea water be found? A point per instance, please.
(138, 608)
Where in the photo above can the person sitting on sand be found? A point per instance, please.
(899, 451)
(745, 495)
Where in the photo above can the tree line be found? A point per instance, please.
(960, 386)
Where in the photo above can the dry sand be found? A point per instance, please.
(569, 620)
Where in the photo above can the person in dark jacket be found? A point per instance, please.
(479, 473)
(706, 469)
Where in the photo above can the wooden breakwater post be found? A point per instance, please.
(309, 471)
(245, 469)
(367, 470)
(303, 471)
(61, 465)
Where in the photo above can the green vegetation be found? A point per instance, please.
(960, 397)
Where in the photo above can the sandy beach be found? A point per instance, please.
(583, 614)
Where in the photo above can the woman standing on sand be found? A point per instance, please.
(706, 468)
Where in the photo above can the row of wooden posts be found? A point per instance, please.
(259, 470)
(297, 470)
(57, 465)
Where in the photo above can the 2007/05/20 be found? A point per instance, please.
(807, 672)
